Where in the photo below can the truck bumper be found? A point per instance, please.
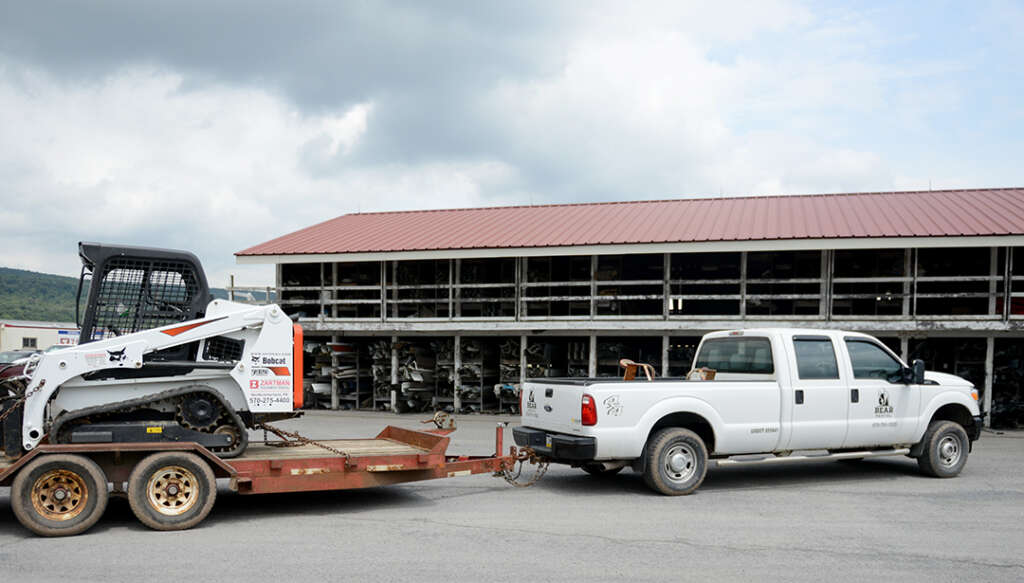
(557, 446)
(979, 422)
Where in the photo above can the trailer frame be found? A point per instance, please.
(396, 455)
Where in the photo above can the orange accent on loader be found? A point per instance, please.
(297, 392)
(187, 327)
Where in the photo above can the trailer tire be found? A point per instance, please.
(172, 490)
(59, 495)
(675, 461)
(945, 450)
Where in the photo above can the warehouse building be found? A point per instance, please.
(32, 335)
(451, 308)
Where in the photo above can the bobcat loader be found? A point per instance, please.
(158, 360)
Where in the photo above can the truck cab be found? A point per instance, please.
(768, 391)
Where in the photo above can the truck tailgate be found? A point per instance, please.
(552, 406)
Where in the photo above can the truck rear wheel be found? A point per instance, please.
(59, 495)
(172, 490)
(675, 461)
(945, 449)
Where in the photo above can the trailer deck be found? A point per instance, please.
(394, 456)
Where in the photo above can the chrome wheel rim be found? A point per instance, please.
(680, 463)
(949, 451)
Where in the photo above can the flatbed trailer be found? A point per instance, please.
(60, 490)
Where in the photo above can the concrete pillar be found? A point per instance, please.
(592, 369)
(990, 351)
(335, 389)
(456, 377)
(394, 374)
(664, 355)
(522, 359)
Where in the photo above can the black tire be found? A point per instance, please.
(675, 461)
(172, 490)
(59, 495)
(598, 470)
(945, 450)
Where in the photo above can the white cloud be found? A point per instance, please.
(136, 158)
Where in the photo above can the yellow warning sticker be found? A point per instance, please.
(157, 429)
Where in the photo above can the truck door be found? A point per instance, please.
(883, 410)
(819, 396)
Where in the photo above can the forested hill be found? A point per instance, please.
(27, 295)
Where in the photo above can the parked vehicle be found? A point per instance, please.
(771, 392)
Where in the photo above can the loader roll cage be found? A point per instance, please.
(139, 288)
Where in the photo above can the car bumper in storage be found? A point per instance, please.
(557, 446)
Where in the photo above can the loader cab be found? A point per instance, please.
(138, 288)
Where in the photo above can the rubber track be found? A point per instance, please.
(131, 404)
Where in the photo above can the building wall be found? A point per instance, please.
(946, 305)
(38, 336)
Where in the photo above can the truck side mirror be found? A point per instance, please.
(918, 368)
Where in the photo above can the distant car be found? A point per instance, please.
(11, 356)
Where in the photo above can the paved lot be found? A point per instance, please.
(877, 520)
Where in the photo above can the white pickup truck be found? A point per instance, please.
(775, 392)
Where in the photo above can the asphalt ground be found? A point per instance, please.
(875, 520)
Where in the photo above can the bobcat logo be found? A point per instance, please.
(116, 355)
(613, 405)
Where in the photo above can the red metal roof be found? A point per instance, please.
(945, 213)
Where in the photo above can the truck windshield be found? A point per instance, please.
(741, 354)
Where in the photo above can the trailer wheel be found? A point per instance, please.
(675, 461)
(172, 490)
(59, 495)
(945, 450)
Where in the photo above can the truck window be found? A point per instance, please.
(871, 361)
(741, 354)
(815, 357)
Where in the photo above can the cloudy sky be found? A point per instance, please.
(213, 126)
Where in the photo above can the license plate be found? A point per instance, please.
(547, 442)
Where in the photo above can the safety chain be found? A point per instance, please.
(300, 440)
(512, 471)
(20, 401)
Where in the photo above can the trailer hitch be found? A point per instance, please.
(511, 468)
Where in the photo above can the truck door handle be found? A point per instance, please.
(799, 396)
(855, 395)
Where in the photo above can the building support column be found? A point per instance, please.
(394, 374)
(905, 348)
(592, 367)
(664, 355)
(335, 389)
(743, 284)
(990, 351)
(522, 360)
(456, 377)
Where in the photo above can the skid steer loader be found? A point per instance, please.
(158, 359)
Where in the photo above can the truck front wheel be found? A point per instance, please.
(675, 461)
(945, 449)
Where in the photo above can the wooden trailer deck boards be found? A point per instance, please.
(353, 447)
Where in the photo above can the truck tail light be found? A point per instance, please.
(588, 411)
